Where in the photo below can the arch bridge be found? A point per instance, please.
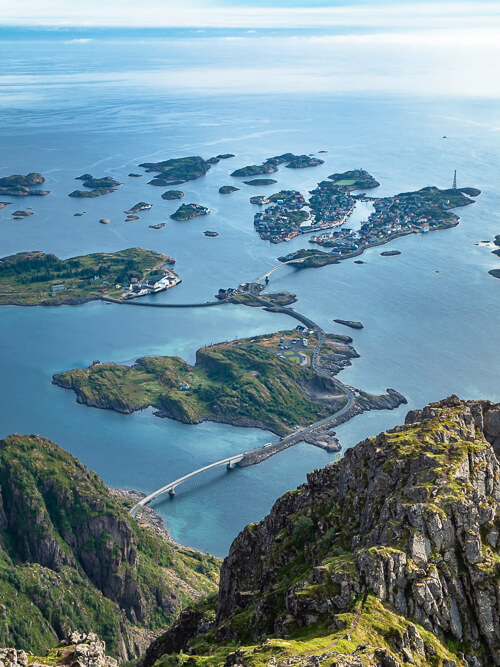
(229, 462)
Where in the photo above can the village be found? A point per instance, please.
(391, 216)
(150, 286)
(330, 206)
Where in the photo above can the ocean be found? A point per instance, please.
(104, 101)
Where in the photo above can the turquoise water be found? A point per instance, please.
(431, 314)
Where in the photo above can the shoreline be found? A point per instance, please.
(337, 259)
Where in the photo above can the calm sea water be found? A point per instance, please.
(431, 314)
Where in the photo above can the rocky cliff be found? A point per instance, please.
(388, 557)
(71, 556)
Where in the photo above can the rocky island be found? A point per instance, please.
(72, 556)
(248, 382)
(271, 164)
(350, 323)
(137, 208)
(40, 279)
(227, 189)
(496, 272)
(260, 181)
(388, 557)
(356, 179)
(189, 211)
(22, 186)
(97, 186)
(177, 170)
(172, 194)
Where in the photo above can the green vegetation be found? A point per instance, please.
(72, 557)
(20, 186)
(451, 198)
(311, 258)
(227, 189)
(356, 179)
(189, 211)
(178, 170)
(350, 323)
(303, 161)
(260, 181)
(242, 382)
(35, 278)
(172, 194)
(281, 298)
(140, 206)
(104, 182)
(378, 626)
(98, 186)
(90, 194)
(255, 170)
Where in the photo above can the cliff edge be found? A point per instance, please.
(388, 557)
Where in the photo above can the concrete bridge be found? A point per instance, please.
(230, 462)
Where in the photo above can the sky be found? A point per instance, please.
(382, 14)
(379, 46)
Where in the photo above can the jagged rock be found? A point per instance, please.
(418, 506)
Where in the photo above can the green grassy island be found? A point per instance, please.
(21, 186)
(243, 382)
(260, 181)
(97, 186)
(140, 206)
(271, 164)
(356, 179)
(177, 170)
(172, 194)
(189, 211)
(227, 189)
(36, 278)
(255, 170)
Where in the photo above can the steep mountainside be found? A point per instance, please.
(72, 557)
(388, 557)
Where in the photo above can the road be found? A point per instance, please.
(171, 486)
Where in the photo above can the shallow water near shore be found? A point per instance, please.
(431, 315)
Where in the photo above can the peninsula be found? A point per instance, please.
(40, 279)
(177, 170)
(189, 211)
(21, 186)
(420, 211)
(267, 382)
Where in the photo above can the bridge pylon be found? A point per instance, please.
(171, 493)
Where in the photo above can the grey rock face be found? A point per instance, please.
(419, 507)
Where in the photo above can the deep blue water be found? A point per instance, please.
(431, 314)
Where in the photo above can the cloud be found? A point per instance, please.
(192, 13)
(81, 40)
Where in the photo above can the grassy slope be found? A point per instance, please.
(27, 278)
(49, 498)
(243, 382)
